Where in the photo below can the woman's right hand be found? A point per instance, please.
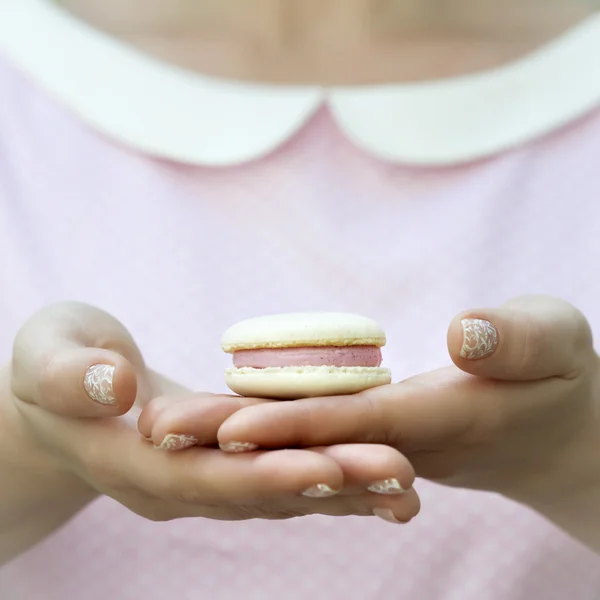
(77, 383)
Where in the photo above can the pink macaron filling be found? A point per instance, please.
(330, 356)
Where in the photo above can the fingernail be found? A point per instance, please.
(238, 447)
(387, 486)
(321, 490)
(175, 441)
(387, 515)
(480, 339)
(98, 383)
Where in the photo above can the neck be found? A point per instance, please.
(334, 41)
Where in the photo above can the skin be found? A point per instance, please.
(59, 450)
(334, 41)
(523, 421)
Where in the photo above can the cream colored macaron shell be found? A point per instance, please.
(299, 355)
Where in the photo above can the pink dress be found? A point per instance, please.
(183, 204)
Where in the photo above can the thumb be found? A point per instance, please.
(528, 338)
(76, 360)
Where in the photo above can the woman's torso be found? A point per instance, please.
(178, 253)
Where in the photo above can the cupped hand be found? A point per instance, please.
(77, 382)
(518, 413)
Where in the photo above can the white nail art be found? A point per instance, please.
(239, 447)
(480, 338)
(98, 383)
(321, 490)
(175, 441)
(386, 514)
(387, 486)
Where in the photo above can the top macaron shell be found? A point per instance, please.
(303, 329)
(300, 330)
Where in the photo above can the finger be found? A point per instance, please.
(84, 382)
(373, 467)
(396, 509)
(111, 457)
(307, 422)
(410, 415)
(393, 508)
(155, 408)
(207, 476)
(529, 338)
(176, 423)
(284, 482)
(77, 361)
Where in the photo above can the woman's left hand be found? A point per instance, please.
(519, 413)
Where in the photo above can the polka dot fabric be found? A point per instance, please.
(180, 253)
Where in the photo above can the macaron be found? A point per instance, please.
(301, 355)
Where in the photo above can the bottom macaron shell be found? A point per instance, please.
(292, 383)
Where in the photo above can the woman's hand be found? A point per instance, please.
(67, 414)
(517, 414)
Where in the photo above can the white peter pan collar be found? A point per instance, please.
(196, 119)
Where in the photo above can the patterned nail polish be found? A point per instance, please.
(173, 442)
(387, 486)
(239, 447)
(480, 339)
(98, 383)
(387, 515)
(321, 490)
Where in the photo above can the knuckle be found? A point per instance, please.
(304, 429)
(378, 428)
(533, 342)
(370, 410)
(582, 338)
(580, 345)
(156, 406)
(49, 374)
